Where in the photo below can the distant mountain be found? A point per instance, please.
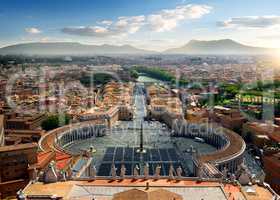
(68, 48)
(225, 46)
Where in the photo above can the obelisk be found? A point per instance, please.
(141, 148)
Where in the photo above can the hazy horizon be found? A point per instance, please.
(119, 45)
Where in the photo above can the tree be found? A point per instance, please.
(229, 90)
(154, 72)
(55, 121)
(96, 79)
(134, 74)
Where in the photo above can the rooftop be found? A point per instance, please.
(257, 193)
(18, 147)
(271, 130)
(147, 194)
(104, 189)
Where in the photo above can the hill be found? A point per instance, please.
(212, 47)
(68, 48)
(225, 46)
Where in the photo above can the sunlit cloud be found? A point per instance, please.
(167, 20)
(124, 25)
(96, 31)
(250, 22)
(106, 22)
(33, 30)
(164, 20)
(270, 37)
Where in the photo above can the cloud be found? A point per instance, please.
(250, 22)
(106, 22)
(96, 31)
(33, 30)
(164, 20)
(270, 37)
(124, 25)
(129, 24)
(169, 19)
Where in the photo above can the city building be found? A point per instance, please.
(227, 117)
(261, 134)
(160, 101)
(23, 122)
(17, 167)
(271, 167)
(22, 128)
(196, 115)
(116, 104)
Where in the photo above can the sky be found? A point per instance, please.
(149, 24)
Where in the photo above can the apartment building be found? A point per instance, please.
(17, 167)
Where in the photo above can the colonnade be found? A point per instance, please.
(217, 136)
(81, 133)
(211, 135)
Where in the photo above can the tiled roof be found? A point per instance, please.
(18, 147)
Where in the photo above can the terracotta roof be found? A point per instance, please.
(275, 136)
(272, 161)
(79, 188)
(62, 160)
(271, 130)
(62, 164)
(18, 147)
(149, 194)
(44, 158)
(258, 193)
(24, 132)
(61, 156)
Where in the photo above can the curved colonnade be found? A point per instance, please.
(57, 139)
(230, 146)
(80, 133)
